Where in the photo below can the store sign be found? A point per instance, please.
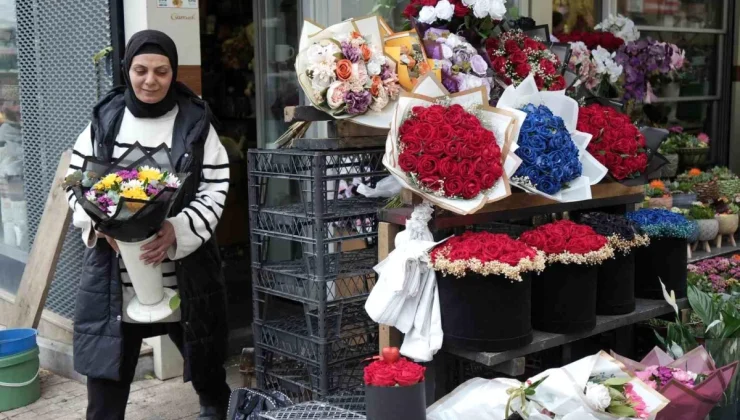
(180, 4)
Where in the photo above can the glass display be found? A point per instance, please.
(14, 241)
(694, 14)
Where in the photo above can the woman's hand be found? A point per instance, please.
(112, 242)
(156, 250)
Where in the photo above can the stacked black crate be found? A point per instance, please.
(312, 268)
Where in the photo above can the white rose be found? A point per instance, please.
(469, 2)
(447, 51)
(481, 8)
(427, 14)
(497, 10)
(598, 396)
(454, 40)
(444, 10)
(373, 69)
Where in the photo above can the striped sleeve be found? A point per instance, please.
(196, 223)
(80, 219)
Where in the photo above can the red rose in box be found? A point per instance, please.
(394, 388)
(594, 39)
(564, 295)
(514, 56)
(486, 276)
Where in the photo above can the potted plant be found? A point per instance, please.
(727, 217)
(669, 150)
(615, 290)
(394, 388)
(708, 225)
(486, 276)
(703, 183)
(564, 295)
(693, 150)
(728, 182)
(683, 194)
(657, 195)
(665, 258)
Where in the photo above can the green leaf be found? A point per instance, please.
(703, 305)
(175, 302)
(732, 325)
(616, 381)
(621, 410)
(616, 395)
(536, 384)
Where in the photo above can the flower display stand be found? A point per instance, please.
(708, 230)
(728, 225)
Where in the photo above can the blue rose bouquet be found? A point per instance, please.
(661, 223)
(549, 156)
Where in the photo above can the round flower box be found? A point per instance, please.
(708, 229)
(615, 288)
(663, 260)
(660, 202)
(670, 169)
(683, 201)
(693, 156)
(470, 304)
(394, 388)
(564, 298)
(483, 277)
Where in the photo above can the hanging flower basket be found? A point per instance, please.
(693, 156)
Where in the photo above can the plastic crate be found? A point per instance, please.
(351, 336)
(313, 410)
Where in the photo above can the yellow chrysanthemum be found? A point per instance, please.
(109, 180)
(99, 186)
(134, 193)
(149, 173)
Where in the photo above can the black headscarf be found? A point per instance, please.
(152, 42)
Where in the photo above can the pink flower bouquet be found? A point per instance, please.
(692, 383)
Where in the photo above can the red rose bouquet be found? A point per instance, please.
(606, 40)
(616, 143)
(567, 242)
(447, 152)
(394, 388)
(514, 56)
(487, 254)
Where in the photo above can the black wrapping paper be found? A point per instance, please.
(564, 298)
(485, 313)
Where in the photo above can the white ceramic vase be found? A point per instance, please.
(152, 300)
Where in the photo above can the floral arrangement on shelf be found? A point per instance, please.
(661, 223)
(681, 187)
(678, 139)
(724, 206)
(616, 396)
(448, 152)
(695, 176)
(136, 186)
(393, 370)
(701, 211)
(514, 56)
(549, 156)
(478, 15)
(716, 275)
(462, 67)
(616, 142)
(593, 39)
(722, 173)
(642, 61)
(621, 27)
(622, 233)
(657, 189)
(567, 242)
(487, 254)
(348, 75)
(658, 376)
(596, 68)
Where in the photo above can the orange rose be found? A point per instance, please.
(366, 52)
(374, 89)
(424, 67)
(356, 34)
(344, 69)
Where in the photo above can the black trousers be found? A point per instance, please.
(107, 399)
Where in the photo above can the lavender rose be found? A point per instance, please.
(478, 64)
(357, 102)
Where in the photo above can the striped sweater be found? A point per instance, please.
(194, 225)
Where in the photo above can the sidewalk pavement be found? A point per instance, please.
(151, 399)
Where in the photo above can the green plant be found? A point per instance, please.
(681, 187)
(693, 179)
(657, 189)
(670, 146)
(699, 211)
(722, 172)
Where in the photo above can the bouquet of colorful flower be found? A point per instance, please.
(567, 242)
(643, 60)
(345, 73)
(594, 39)
(394, 388)
(514, 56)
(616, 396)
(455, 151)
(462, 67)
(692, 383)
(548, 145)
(487, 254)
(623, 234)
(622, 27)
(478, 15)
(658, 223)
(596, 69)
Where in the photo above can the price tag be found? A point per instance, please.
(178, 4)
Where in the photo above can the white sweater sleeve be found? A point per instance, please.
(196, 223)
(82, 149)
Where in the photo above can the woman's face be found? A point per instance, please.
(151, 77)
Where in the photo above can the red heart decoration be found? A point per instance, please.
(391, 354)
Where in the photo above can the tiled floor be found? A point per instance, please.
(65, 399)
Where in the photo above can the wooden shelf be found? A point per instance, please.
(14, 253)
(521, 205)
(646, 309)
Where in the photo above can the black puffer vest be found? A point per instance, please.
(98, 341)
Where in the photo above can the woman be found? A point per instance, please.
(152, 108)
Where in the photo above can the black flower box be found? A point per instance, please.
(485, 313)
(615, 288)
(663, 260)
(396, 402)
(564, 298)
